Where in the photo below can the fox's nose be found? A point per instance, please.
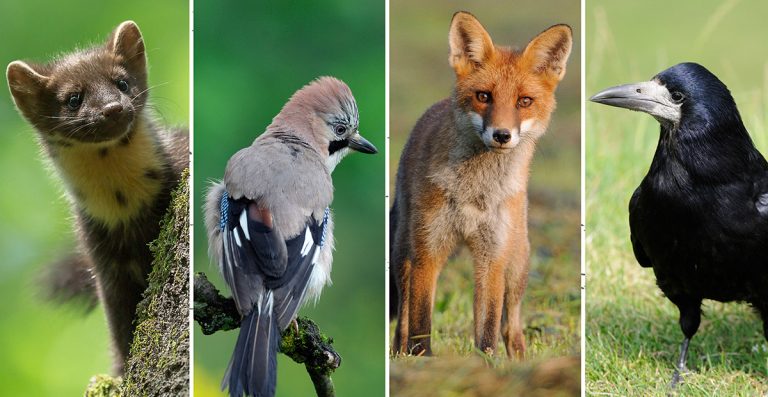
(502, 136)
(112, 110)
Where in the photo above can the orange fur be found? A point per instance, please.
(458, 183)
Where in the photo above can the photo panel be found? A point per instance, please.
(468, 227)
(94, 147)
(262, 71)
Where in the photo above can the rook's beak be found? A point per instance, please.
(360, 144)
(648, 97)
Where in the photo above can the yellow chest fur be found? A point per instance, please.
(112, 182)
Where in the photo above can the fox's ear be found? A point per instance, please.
(126, 42)
(548, 52)
(470, 43)
(26, 85)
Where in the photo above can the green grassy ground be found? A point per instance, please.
(48, 349)
(632, 332)
(420, 76)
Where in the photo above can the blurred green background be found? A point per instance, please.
(249, 59)
(420, 76)
(633, 335)
(45, 349)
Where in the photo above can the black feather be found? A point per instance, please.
(696, 217)
(252, 369)
(335, 146)
(268, 276)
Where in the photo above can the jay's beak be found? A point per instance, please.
(360, 144)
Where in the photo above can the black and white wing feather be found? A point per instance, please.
(268, 275)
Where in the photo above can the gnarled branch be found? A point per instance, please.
(303, 343)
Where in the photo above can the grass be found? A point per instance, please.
(551, 303)
(632, 332)
(550, 310)
(420, 76)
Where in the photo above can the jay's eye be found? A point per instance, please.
(74, 102)
(122, 85)
(340, 129)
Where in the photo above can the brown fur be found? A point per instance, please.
(458, 183)
(118, 167)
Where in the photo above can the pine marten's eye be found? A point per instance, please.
(340, 129)
(524, 101)
(75, 100)
(122, 85)
(483, 96)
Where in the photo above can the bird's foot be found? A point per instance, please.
(677, 377)
(333, 359)
(680, 368)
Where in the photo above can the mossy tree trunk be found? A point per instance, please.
(158, 364)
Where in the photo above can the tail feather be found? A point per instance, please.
(253, 368)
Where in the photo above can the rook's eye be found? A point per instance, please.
(524, 101)
(74, 102)
(678, 97)
(483, 97)
(122, 85)
(340, 129)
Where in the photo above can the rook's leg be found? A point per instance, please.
(690, 318)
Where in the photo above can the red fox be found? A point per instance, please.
(463, 178)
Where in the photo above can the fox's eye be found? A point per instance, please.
(524, 101)
(340, 129)
(74, 102)
(483, 97)
(678, 97)
(122, 85)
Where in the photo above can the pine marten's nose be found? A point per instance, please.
(112, 110)
(502, 136)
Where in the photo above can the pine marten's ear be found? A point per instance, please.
(27, 86)
(548, 52)
(470, 43)
(126, 42)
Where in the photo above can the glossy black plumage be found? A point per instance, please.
(700, 216)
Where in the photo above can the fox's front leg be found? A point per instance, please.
(516, 279)
(490, 265)
(424, 270)
(400, 345)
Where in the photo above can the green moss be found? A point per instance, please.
(306, 344)
(103, 386)
(159, 359)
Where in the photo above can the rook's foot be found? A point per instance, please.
(680, 369)
(677, 377)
